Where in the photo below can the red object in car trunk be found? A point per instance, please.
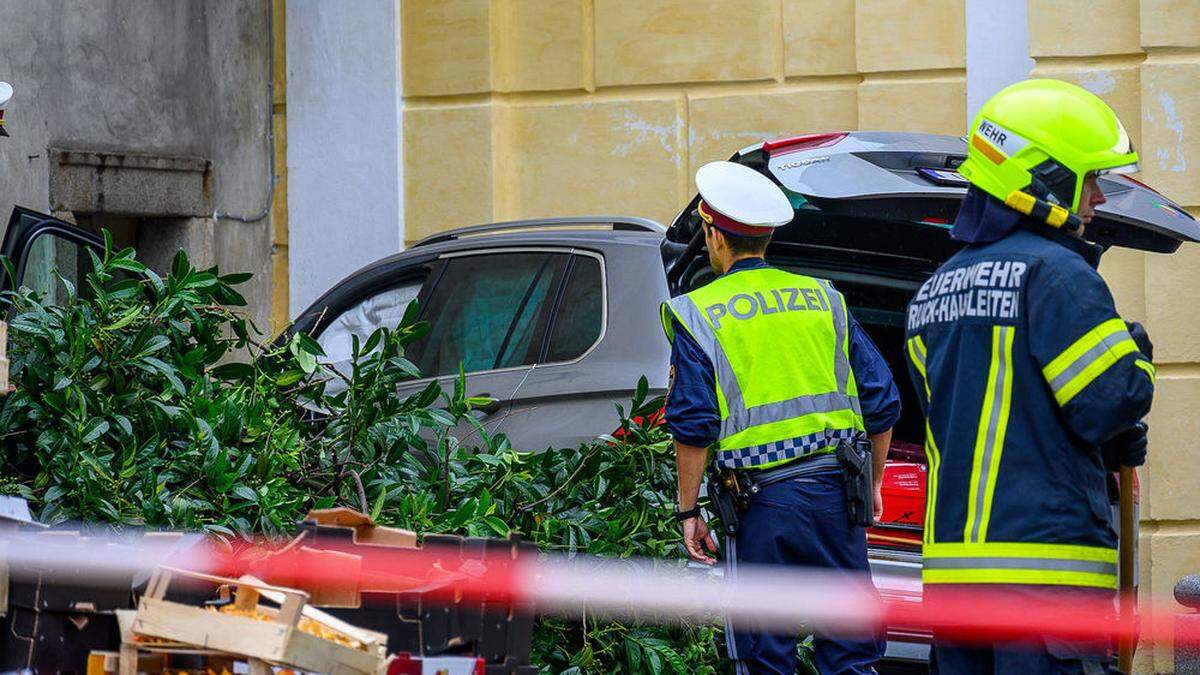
(903, 520)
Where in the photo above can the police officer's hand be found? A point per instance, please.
(878, 503)
(1127, 448)
(697, 538)
(1141, 338)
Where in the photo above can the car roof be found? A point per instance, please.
(584, 231)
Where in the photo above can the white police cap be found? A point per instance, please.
(742, 195)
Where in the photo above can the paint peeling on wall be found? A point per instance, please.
(1099, 82)
(1175, 124)
(639, 131)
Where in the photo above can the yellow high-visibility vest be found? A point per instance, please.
(779, 346)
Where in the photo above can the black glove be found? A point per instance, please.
(1127, 448)
(1138, 332)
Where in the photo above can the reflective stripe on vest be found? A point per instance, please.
(773, 430)
(1019, 563)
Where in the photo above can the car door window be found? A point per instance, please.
(385, 308)
(521, 348)
(49, 254)
(580, 318)
(488, 311)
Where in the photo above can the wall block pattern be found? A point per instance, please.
(1143, 58)
(527, 108)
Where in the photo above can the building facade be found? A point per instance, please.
(525, 108)
(301, 140)
(149, 119)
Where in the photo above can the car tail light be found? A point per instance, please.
(806, 142)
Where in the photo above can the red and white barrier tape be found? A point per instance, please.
(776, 598)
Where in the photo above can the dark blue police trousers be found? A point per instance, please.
(801, 522)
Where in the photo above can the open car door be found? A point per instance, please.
(38, 245)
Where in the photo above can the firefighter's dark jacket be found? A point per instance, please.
(1023, 368)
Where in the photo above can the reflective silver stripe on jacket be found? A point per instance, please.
(841, 359)
(741, 417)
(992, 430)
(1006, 563)
(1105, 345)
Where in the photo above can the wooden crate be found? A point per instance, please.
(278, 641)
(145, 657)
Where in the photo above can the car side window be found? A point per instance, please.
(381, 309)
(580, 318)
(488, 311)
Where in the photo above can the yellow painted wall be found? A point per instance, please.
(279, 210)
(529, 108)
(1143, 57)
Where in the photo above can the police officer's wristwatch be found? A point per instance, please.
(693, 512)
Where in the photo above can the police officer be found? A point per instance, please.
(770, 371)
(1032, 384)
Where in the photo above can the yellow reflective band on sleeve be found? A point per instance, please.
(1020, 563)
(989, 439)
(918, 353)
(1085, 360)
(1148, 367)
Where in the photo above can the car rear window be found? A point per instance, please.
(580, 317)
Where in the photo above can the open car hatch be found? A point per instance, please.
(912, 177)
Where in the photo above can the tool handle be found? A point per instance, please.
(1128, 601)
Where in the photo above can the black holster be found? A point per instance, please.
(727, 498)
(855, 458)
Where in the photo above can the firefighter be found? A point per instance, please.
(1032, 385)
(771, 372)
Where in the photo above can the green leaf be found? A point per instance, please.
(307, 362)
(156, 281)
(180, 268)
(126, 318)
(236, 278)
(654, 660)
(309, 345)
(246, 493)
(289, 377)
(10, 273)
(125, 425)
(373, 341)
(497, 525)
(128, 264)
(633, 654)
(233, 371)
(96, 427)
(377, 508)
